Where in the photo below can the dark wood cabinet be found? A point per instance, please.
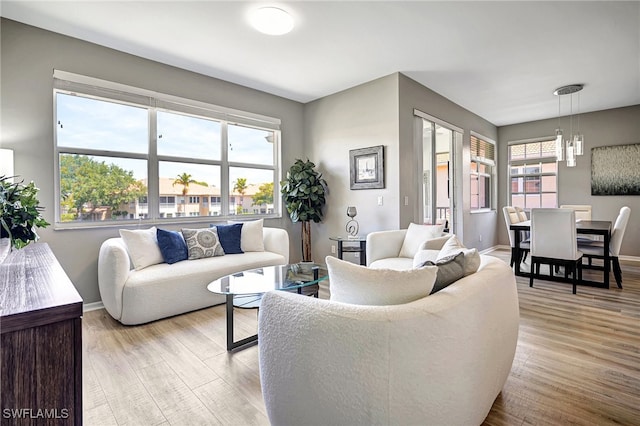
(41, 340)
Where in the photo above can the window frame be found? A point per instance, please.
(528, 161)
(102, 90)
(492, 163)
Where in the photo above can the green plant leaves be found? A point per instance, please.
(304, 192)
(20, 212)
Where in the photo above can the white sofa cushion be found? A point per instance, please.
(416, 235)
(165, 290)
(395, 263)
(471, 256)
(359, 285)
(142, 245)
(251, 236)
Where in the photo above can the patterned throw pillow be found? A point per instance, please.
(202, 243)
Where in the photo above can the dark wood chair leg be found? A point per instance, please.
(513, 256)
(533, 271)
(575, 275)
(617, 271)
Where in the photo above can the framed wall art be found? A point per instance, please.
(367, 167)
(615, 170)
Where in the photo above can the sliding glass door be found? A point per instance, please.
(438, 178)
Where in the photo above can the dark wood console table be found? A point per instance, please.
(41, 340)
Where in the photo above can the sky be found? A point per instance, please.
(109, 126)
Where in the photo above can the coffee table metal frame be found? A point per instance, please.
(256, 298)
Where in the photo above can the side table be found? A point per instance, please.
(361, 248)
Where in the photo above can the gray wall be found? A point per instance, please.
(360, 117)
(618, 126)
(381, 113)
(29, 56)
(415, 96)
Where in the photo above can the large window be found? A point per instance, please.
(533, 174)
(482, 173)
(128, 154)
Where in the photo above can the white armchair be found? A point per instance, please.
(384, 249)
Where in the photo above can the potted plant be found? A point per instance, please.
(304, 196)
(20, 212)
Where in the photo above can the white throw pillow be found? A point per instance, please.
(142, 245)
(251, 238)
(471, 256)
(416, 235)
(425, 255)
(359, 285)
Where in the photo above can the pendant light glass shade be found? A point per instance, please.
(571, 154)
(559, 145)
(578, 141)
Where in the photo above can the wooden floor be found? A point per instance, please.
(577, 362)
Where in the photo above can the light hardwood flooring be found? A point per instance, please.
(577, 362)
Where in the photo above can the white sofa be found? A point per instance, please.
(440, 360)
(383, 249)
(158, 291)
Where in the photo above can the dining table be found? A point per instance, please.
(588, 227)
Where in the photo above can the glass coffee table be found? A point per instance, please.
(245, 289)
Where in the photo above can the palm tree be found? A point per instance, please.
(185, 179)
(240, 186)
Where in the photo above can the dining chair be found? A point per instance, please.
(596, 249)
(510, 217)
(583, 212)
(521, 214)
(553, 242)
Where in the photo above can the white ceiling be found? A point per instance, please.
(500, 60)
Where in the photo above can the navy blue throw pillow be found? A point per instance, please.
(172, 246)
(229, 236)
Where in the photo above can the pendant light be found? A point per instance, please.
(575, 142)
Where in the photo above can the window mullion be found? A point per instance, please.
(153, 183)
(224, 179)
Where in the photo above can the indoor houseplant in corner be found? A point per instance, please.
(304, 196)
(20, 212)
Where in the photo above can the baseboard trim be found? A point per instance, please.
(629, 258)
(92, 306)
(494, 248)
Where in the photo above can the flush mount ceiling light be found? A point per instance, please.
(271, 20)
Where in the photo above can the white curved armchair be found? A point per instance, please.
(440, 360)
